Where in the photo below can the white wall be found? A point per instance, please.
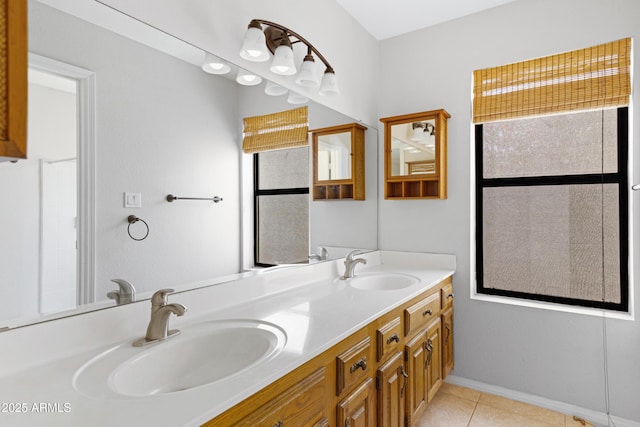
(164, 127)
(219, 28)
(551, 354)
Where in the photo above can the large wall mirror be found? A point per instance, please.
(116, 126)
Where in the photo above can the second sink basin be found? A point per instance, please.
(201, 355)
(382, 281)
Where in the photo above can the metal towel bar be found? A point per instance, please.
(171, 198)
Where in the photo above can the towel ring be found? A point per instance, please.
(132, 220)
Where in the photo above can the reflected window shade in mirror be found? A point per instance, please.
(416, 155)
(338, 162)
(595, 77)
(276, 131)
(551, 182)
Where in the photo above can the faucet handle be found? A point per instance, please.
(160, 297)
(353, 253)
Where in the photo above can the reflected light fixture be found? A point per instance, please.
(296, 98)
(420, 128)
(279, 40)
(214, 65)
(273, 89)
(248, 79)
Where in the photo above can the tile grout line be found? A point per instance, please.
(474, 410)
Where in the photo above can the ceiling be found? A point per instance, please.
(385, 19)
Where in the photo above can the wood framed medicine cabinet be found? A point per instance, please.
(338, 162)
(415, 155)
(13, 79)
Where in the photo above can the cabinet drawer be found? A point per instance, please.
(352, 365)
(446, 294)
(421, 313)
(301, 405)
(388, 338)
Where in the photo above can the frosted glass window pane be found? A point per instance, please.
(283, 229)
(284, 169)
(560, 241)
(567, 144)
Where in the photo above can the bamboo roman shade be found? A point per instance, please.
(595, 77)
(286, 129)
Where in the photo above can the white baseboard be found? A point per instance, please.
(595, 417)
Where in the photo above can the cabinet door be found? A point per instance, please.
(391, 383)
(358, 408)
(447, 342)
(13, 79)
(433, 347)
(416, 358)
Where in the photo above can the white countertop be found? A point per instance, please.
(315, 310)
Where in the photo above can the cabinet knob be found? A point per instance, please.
(360, 364)
(393, 338)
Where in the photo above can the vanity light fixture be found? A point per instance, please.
(278, 40)
(214, 65)
(420, 128)
(248, 79)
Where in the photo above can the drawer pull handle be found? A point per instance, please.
(360, 364)
(278, 424)
(406, 376)
(393, 338)
(429, 347)
(450, 295)
(427, 311)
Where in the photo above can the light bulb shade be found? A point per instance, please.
(283, 61)
(329, 84)
(214, 65)
(254, 46)
(273, 89)
(248, 79)
(307, 76)
(417, 134)
(296, 98)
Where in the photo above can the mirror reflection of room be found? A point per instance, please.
(413, 148)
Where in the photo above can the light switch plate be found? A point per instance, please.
(132, 200)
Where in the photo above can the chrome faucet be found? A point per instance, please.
(158, 328)
(350, 263)
(125, 294)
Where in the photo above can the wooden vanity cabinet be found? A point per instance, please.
(383, 375)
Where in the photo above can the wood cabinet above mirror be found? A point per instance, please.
(338, 162)
(415, 155)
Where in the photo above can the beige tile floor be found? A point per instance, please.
(455, 406)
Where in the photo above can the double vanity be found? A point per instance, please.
(291, 347)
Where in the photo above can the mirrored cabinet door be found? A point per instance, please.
(338, 162)
(415, 155)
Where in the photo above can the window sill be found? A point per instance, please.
(608, 314)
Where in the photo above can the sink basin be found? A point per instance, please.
(382, 281)
(202, 354)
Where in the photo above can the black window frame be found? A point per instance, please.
(620, 177)
(257, 192)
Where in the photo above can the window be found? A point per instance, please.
(551, 190)
(281, 185)
(281, 203)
